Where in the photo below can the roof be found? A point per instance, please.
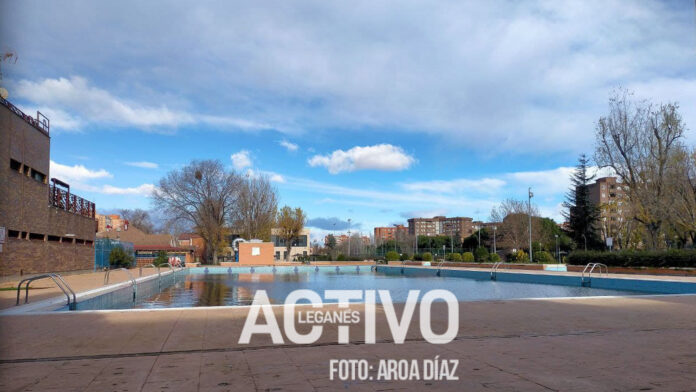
(159, 247)
(138, 237)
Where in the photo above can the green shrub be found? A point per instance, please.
(481, 255)
(680, 258)
(494, 258)
(161, 258)
(543, 257)
(468, 257)
(341, 257)
(427, 256)
(455, 257)
(418, 257)
(403, 257)
(518, 257)
(392, 256)
(119, 258)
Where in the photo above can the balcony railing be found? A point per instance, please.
(67, 201)
(41, 122)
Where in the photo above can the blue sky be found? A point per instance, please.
(374, 111)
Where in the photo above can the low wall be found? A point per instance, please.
(36, 256)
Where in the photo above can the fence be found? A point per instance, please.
(69, 202)
(102, 250)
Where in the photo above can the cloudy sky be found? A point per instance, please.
(374, 111)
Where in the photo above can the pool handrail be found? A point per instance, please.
(132, 279)
(591, 267)
(150, 265)
(64, 287)
(494, 269)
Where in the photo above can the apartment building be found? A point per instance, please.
(611, 198)
(299, 247)
(44, 227)
(461, 227)
(111, 222)
(390, 233)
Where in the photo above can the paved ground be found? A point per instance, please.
(612, 344)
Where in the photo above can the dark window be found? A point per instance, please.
(36, 236)
(38, 176)
(14, 165)
(26, 170)
(79, 241)
(89, 242)
(67, 240)
(54, 238)
(13, 233)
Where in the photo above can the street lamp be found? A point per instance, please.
(348, 237)
(558, 253)
(529, 213)
(479, 235)
(495, 251)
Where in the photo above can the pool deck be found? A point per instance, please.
(582, 344)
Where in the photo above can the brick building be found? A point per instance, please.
(611, 198)
(111, 222)
(390, 233)
(43, 226)
(460, 227)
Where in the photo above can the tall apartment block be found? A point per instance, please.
(610, 196)
(43, 226)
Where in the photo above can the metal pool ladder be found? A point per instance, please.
(57, 279)
(133, 284)
(494, 270)
(591, 267)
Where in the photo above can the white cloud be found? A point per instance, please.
(77, 173)
(272, 176)
(384, 157)
(143, 165)
(241, 160)
(143, 190)
(288, 145)
(71, 103)
(484, 185)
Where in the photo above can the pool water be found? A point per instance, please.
(234, 286)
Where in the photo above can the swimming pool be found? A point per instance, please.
(235, 286)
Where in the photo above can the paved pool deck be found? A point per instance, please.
(583, 344)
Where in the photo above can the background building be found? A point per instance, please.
(147, 246)
(43, 226)
(389, 233)
(611, 198)
(300, 246)
(458, 227)
(111, 222)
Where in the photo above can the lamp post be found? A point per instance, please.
(558, 253)
(479, 235)
(348, 237)
(529, 213)
(443, 251)
(495, 251)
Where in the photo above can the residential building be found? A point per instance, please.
(197, 243)
(300, 246)
(460, 227)
(111, 222)
(610, 196)
(44, 227)
(390, 233)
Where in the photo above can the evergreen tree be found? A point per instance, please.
(582, 215)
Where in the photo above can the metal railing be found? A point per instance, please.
(591, 267)
(67, 201)
(62, 285)
(41, 122)
(494, 270)
(133, 283)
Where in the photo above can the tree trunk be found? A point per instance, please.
(287, 252)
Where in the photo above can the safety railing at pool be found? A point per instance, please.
(62, 285)
(591, 267)
(494, 270)
(132, 279)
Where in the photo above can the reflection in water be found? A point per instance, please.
(239, 288)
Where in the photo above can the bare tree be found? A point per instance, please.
(637, 140)
(682, 183)
(290, 223)
(256, 209)
(138, 218)
(513, 231)
(202, 194)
